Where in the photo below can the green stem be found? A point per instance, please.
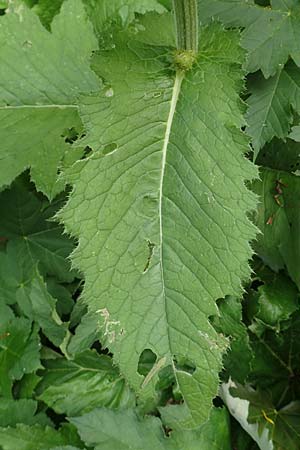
(186, 20)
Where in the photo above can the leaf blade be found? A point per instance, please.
(154, 177)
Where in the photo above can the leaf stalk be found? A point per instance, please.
(186, 22)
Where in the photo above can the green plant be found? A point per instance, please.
(149, 233)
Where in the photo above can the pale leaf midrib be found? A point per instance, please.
(175, 95)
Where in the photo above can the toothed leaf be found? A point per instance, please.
(165, 230)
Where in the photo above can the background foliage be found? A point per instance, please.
(60, 387)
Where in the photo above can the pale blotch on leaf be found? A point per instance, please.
(109, 92)
(111, 327)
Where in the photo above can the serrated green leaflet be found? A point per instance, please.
(161, 238)
(271, 105)
(271, 33)
(42, 75)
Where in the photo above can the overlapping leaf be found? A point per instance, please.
(42, 75)
(274, 302)
(281, 155)
(33, 246)
(104, 15)
(271, 105)
(19, 352)
(271, 34)
(276, 362)
(31, 238)
(36, 437)
(174, 240)
(230, 323)
(117, 13)
(124, 430)
(281, 425)
(278, 219)
(87, 382)
(23, 411)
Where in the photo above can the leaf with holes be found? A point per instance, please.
(162, 238)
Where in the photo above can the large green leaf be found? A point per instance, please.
(278, 219)
(271, 105)
(105, 429)
(271, 34)
(87, 382)
(124, 430)
(160, 236)
(42, 75)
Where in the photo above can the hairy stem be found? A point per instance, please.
(186, 19)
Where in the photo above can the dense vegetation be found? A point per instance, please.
(150, 224)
